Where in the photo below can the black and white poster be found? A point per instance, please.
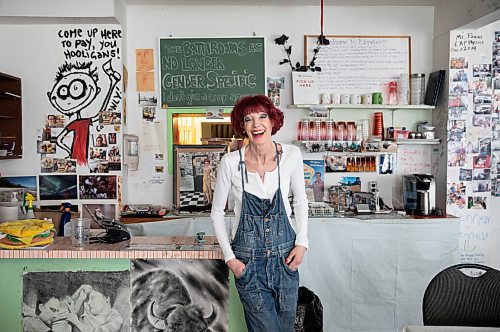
(76, 301)
(179, 295)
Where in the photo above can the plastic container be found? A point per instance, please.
(80, 232)
(404, 91)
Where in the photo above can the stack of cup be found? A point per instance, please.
(378, 124)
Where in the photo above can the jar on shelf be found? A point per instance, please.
(350, 131)
(417, 89)
(341, 131)
(303, 134)
(315, 130)
(329, 134)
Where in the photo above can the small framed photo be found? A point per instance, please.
(195, 171)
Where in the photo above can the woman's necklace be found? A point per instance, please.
(266, 163)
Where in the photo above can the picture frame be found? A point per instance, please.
(194, 179)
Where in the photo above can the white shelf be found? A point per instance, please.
(418, 141)
(363, 106)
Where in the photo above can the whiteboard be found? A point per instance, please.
(359, 64)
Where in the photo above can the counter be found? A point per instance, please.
(370, 275)
(146, 247)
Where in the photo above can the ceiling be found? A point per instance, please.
(284, 2)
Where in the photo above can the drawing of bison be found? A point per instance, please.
(162, 303)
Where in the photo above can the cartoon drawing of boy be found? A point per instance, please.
(75, 89)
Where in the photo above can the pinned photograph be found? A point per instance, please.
(458, 89)
(114, 155)
(46, 147)
(60, 187)
(484, 109)
(97, 186)
(458, 75)
(109, 118)
(335, 163)
(98, 166)
(465, 174)
(214, 113)
(456, 195)
(112, 138)
(148, 113)
(16, 186)
(159, 156)
(481, 174)
(98, 153)
(477, 203)
(480, 186)
(458, 63)
(147, 99)
(98, 211)
(458, 101)
(353, 182)
(314, 180)
(481, 70)
(481, 120)
(480, 85)
(195, 171)
(57, 165)
(100, 140)
(159, 169)
(386, 164)
(55, 121)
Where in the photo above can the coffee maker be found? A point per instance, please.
(419, 194)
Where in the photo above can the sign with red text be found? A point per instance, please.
(305, 88)
(414, 159)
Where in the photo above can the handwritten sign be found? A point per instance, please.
(413, 159)
(210, 71)
(467, 41)
(360, 64)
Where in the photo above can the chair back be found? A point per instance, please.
(453, 298)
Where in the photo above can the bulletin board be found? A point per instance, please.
(359, 64)
(210, 71)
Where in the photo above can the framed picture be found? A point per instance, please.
(195, 171)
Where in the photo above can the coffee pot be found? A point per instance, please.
(419, 194)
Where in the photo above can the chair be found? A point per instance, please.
(453, 298)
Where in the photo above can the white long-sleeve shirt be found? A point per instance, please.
(229, 181)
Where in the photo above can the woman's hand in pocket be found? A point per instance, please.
(295, 257)
(236, 266)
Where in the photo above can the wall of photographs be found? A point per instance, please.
(474, 138)
(78, 137)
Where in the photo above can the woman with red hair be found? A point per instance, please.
(263, 250)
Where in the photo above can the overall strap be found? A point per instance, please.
(242, 165)
(278, 162)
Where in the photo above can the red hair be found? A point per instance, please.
(255, 104)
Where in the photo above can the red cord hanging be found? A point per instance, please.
(322, 17)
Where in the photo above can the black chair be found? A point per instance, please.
(455, 299)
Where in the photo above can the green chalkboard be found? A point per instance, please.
(210, 71)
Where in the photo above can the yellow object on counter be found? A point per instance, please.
(26, 228)
(26, 233)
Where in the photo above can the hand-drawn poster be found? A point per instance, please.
(171, 295)
(84, 100)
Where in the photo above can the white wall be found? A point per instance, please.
(450, 15)
(147, 23)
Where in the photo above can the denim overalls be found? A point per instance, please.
(268, 288)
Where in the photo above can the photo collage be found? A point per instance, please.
(474, 131)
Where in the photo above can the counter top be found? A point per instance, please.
(147, 247)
